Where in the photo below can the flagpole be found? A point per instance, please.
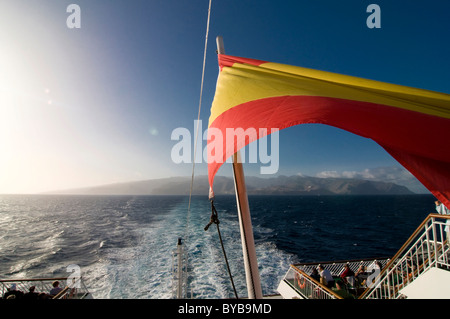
(245, 222)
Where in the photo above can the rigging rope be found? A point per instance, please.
(214, 217)
(186, 235)
(198, 121)
(215, 220)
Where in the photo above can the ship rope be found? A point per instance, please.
(188, 215)
(215, 220)
(214, 217)
(198, 123)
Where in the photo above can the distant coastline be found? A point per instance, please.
(281, 185)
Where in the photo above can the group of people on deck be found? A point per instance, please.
(14, 293)
(326, 278)
(347, 279)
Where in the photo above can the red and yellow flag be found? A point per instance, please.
(413, 125)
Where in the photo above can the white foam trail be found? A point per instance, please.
(134, 259)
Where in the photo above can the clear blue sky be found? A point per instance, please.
(97, 105)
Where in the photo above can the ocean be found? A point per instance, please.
(123, 244)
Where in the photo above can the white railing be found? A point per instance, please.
(426, 248)
(180, 272)
(306, 286)
(299, 278)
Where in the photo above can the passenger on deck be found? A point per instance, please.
(396, 277)
(43, 296)
(315, 274)
(31, 294)
(341, 291)
(361, 275)
(410, 269)
(13, 293)
(325, 277)
(361, 271)
(441, 209)
(56, 289)
(347, 273)
(376, 266)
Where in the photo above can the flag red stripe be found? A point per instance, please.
(386, 125)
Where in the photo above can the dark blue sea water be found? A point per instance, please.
(123, 244)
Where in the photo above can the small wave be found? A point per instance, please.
(124, 245)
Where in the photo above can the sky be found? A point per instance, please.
(98, 104)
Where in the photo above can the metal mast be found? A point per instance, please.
(248, 243)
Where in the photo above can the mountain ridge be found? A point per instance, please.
(281, 185)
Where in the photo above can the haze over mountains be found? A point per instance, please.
(281, 185)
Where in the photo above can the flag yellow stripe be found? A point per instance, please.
(243, 83)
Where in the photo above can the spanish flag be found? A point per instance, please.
(412, 125)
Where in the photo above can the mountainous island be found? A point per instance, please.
(281, 185)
